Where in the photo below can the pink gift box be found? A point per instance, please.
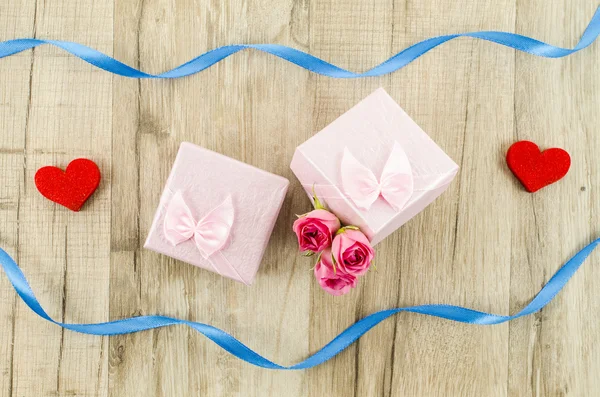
(385, 154)
(216, 213)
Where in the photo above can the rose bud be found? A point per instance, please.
(352, 251)
(332, 280)
(315, 230)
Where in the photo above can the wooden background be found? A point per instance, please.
(485, 243)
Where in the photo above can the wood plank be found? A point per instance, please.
(355, 35)
(12, 166)
(16, 19)
(397, 357)
(67, 115)
(552, 353)
(237, 108)
(462, 95)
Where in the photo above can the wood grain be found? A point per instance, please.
(485, 243)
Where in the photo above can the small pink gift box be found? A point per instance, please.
(374, 167)
(216, 213)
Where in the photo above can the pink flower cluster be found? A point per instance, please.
(344, 253)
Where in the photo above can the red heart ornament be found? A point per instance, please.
(536, 169)
(70, 188)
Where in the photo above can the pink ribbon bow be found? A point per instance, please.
(396, 184)
(210, 234)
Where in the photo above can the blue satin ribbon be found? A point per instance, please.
(304, 60)
(333, 348)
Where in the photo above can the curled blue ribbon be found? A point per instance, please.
(333, 348)
(304, 60)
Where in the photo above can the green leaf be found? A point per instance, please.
(308, 253)
(340, 231)
(317, 202)
(333, 261)
(318, 260)
(343, 229)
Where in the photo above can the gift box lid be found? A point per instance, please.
(212, 185)
(370, 131)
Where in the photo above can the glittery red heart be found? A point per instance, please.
(70, 188)
(536, 169)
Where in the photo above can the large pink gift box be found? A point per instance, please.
(374, 167)
(216, 213)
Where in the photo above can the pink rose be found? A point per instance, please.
(352, 252)
(333, 282)
(314, 230)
